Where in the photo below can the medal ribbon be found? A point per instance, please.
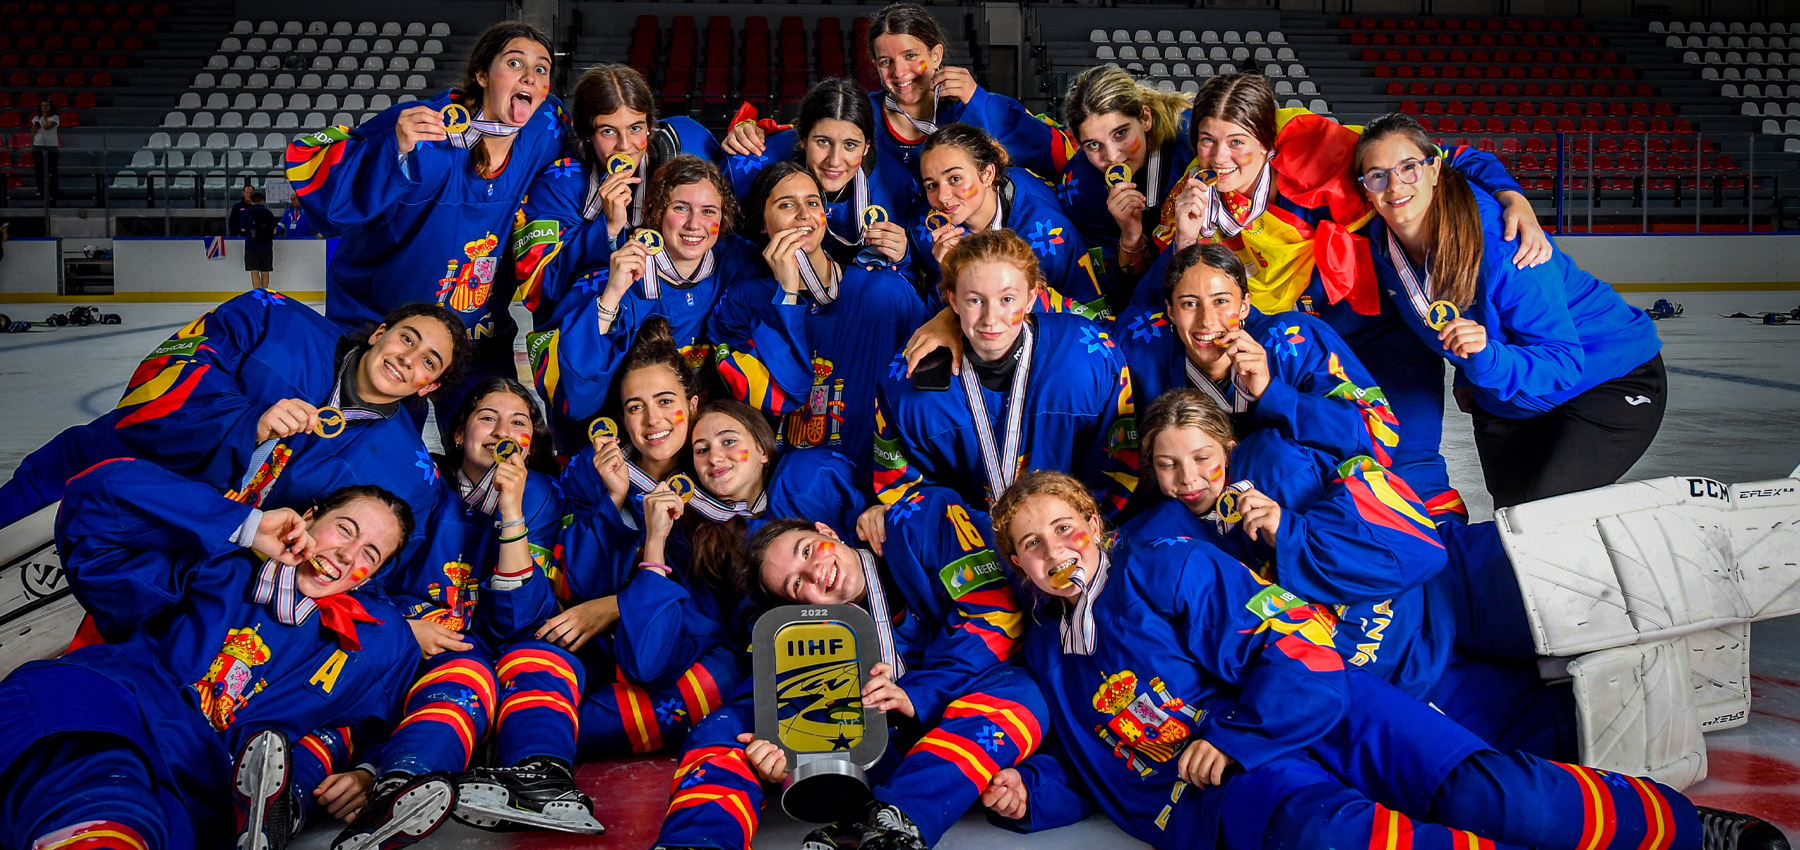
(1078, 623)
(823, 292)
(1218, 219)
(1153, 179)
(664, 269)
(878, 609)
(480, 495)
(1238, 403)
(1415, 291)
(859, 204)
(266, 448)
(709, 506)
(590, 208)
(924, 126)
(339, 612)
(479, 126)
(1000, 475)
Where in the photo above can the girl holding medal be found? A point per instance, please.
(868, 196)
(970, 185)
(1261, 737)
(1034, 391)
(481, 587)
(263, 399)
(1118, 122)
(808, 344)
(1567, 379)
(677, 269)
(1273, 185)
(423, 195)
(919, 94)
(603, 178)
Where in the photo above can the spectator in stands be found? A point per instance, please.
(423, 196)
(1275, 187)
(1566, 380)
(257, 226)
(555, 240)
(45, 146)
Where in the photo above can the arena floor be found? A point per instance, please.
(1734, 401)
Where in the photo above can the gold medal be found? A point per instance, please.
(505, 449)
(936, 220)
(1228, 506)
(651, 240)
(1441, 313)
(1207, 176)
(1118, 173)
(331, 422)
(874, 215)
(619, 162)
(603, 427)
(456, 118)
(682, 486)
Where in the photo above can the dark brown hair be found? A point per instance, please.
(764, 186)
(541, 456)
(461, 352)
(905, 19)
(841, 100)
(1242, 99)
(1453, 221)
(345, 495)
(718, 547)
(487, 47)
(653, 346)
(749, 572)
(603, 90)
(682, 171)
(974, 141)
(1210, 255)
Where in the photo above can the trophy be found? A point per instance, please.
(810, 663)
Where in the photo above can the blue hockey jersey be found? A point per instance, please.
(815, 367)
(1077, 417)
(560, 233)
(1032, 141)
(886, 183)
(1028, 207)
(197, 665)
(404, 219)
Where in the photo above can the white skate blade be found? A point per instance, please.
(261, 773)
(415, 814)
(487, 805)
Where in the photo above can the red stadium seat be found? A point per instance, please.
(84, 100)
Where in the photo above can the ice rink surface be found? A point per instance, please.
(1733, 414)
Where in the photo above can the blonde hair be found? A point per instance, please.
(990, 246)
(1109, 89)
(1038, 482)
(1183, 408)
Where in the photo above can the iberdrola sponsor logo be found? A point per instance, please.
(970, 572)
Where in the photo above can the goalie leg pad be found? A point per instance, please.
(1719, 661)
(1634, 713)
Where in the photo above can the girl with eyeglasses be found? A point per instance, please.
(1566, 379)
(1274, 185)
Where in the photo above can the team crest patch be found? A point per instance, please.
(821, 421)
(457, 596)
(231, 680)
(1145, 729)
(465, 286)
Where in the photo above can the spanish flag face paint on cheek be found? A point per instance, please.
(359, 574)
(1216, 474)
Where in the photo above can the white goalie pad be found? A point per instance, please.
(38, 613)
(1634, 712)
(1719, 661)
(1651, 560)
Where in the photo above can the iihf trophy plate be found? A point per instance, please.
(810, 663)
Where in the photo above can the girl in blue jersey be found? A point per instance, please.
(1117, 121)
(919, 94)
(695, 262)
(1202, 706)
(869, 195)
(423, 195)
(1034, 391)
(970, 186)
(1567, 379)
(808, 344)
(584, 205)
(474, 597)
(238, 631)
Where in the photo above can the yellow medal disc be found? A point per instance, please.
(682, 486)
(1118, 173)
(619, 162)
(1441, 313)
(603, 427)
(1228, 506)
(651, 240)
(874, 215)
(936, 220)
(331, 422)
(456, 118)
(505, 449)
(1207, 176)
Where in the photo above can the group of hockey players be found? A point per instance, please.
(1166, 535)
